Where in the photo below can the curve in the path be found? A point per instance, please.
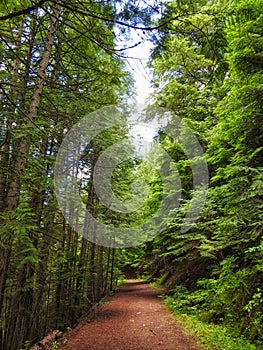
(134, 319)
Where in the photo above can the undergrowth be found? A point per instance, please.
(186, 306)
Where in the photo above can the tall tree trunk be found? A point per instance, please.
(20, 332)
(37, 204)
(15, 185)
(112, 268)
(36, 330)
(4, 165)
(107, 273)
(12, 103)
(100, 271)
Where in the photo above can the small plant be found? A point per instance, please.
(54, 345)
(64, 341)
(26, 345)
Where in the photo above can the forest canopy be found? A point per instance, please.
(61, 61)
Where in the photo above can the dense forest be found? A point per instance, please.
(62, 60)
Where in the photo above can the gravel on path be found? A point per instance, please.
(135, 318)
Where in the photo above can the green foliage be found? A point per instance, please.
(214, 337)
(207, 66)
(22, 224)
(49, 274)
(26, 345)
(188, 309)
(54, 345)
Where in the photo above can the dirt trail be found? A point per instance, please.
(134, 319)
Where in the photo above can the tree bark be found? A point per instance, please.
(15, 185)
(14, 189)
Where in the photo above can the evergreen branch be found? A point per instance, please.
(115, 21)
(19, 109)
(23, 11)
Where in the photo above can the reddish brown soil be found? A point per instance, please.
(134, 319)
